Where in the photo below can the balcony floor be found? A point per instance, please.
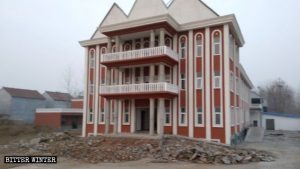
(142, 95)
(141, 61)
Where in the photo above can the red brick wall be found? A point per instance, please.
(48, 119)
(77, 104)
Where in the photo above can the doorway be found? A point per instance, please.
(142, 119)
(270, 125)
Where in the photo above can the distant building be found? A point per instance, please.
(257, 107)
(20, 104)
(281, 121)
(57, 99)
(61, 118)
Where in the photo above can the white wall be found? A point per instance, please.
(283, 123)
(255, 115)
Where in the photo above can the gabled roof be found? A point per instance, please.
(147, 8)
(24, 93)
(58, 96)
(185, 11)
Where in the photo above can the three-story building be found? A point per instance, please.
(166, 69)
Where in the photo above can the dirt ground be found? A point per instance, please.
(284, 145)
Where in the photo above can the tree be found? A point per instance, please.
(280, 96)
(69, 83)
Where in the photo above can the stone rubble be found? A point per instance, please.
(118, 149)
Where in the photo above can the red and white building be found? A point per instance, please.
(166, 69)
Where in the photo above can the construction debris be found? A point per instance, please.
(118, 149)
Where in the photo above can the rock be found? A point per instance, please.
(35, 141)
(194, 156)
(247, 158)
(226, 160)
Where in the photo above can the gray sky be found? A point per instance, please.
(39, 39)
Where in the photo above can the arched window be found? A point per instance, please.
(92, 58)
(199, 45)
(127, 47)
(138, 45)
(156, 43)
(146, 44)
(182, 47)
(168, 42)
(217, 42)
(103, 50)
(113, 49)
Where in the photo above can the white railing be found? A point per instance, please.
(138, 54)
(139, 88)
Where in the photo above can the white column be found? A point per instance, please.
(142, 43)
(190, 86)
(151, 131)
(152, 38)
(161, 115)
(132, 120)
(120, 103)
(133, 44)
(121, 46)
(96, 94)
(175, 37)
(107, 115)
(162, 37)
(207, 85)
(117, 43)
(161, 73)
(85, 97)
(151, 73)
(141, 74)
(133, 75)
(226, 86)
(175, 75)
(108, 45)
(175, 117)
(116, 116)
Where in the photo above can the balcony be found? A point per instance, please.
(142, 56)
(143, 90)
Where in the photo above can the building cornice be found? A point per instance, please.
(221, 20)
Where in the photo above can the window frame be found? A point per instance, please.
(101, 113)
(181, 39)
(90, 116)
(184, 115)
(197, 80)
(215, 115)
(214, 43)
(92, 58)
(199, 45)
(197, 113)
(182, 79)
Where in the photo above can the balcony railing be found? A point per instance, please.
(139, 54)
(139, 88)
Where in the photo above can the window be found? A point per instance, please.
(138, 45)
(182, 81)
(127, 47)
(199, 46)
(199, 80)
(199, 116)
(217, 43)
(182, 48)
(256, 101)
(237, 85)
(232, 115)
(146, 44)
(114, 49)
(182, 116)
(217, 118)
(103, 50)
(102, 116)
(217, 80)
(231, 81)
(91, 116)
(126, 115)
(168, 116)
(92, 88)
(92, 58)
(168, 42)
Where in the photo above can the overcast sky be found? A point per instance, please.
(39, 39)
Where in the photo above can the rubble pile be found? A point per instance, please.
(118, 149)
(202, 152)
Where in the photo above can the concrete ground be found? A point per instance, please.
(284, 145)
